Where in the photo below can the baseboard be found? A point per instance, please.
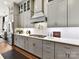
(25, 53)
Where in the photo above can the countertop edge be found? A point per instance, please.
(57, 40)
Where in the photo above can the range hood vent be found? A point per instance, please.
(39, 19)
(38, 14)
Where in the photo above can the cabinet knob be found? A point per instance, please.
(33, 44)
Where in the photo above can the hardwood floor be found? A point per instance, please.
(30, 56)
(4, 47)
(7, 52)
(12, 52)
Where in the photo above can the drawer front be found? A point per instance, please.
(48, 43)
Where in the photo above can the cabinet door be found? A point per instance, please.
(31, 44)
(61, 13)
(38, 48)
(57, 13)
(51, 14)
(30, 25)
(25, 19)
(15, 16)
(73, 13)
(21, 17)
(35, 47)
(61, 51)
(16, 40)
(21, 42)
(74, 52)
(48, 50)
(26, 44)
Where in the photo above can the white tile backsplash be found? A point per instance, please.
(66, 32)
(40, 28)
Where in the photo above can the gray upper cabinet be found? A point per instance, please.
(25, 15)
(57, 13)
(21, 22)
(14, 14)
(73, 13)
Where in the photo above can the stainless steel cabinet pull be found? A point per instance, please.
(68, 55)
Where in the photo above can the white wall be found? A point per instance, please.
(3, 11)
(1, 24)
(66, 32)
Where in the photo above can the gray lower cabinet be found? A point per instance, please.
(48, 50)
(16, 40)
(19, 41)
(26, 43)
(63, 51)
(35, 46)
(74, 52)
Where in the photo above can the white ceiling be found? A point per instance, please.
(3, 5)
(9, 1)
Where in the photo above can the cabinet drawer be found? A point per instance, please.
(48, 48)
(48, 43)
(62, 45)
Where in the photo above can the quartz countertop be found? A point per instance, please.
(54, 39)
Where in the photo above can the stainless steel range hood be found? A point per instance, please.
(38, 12)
